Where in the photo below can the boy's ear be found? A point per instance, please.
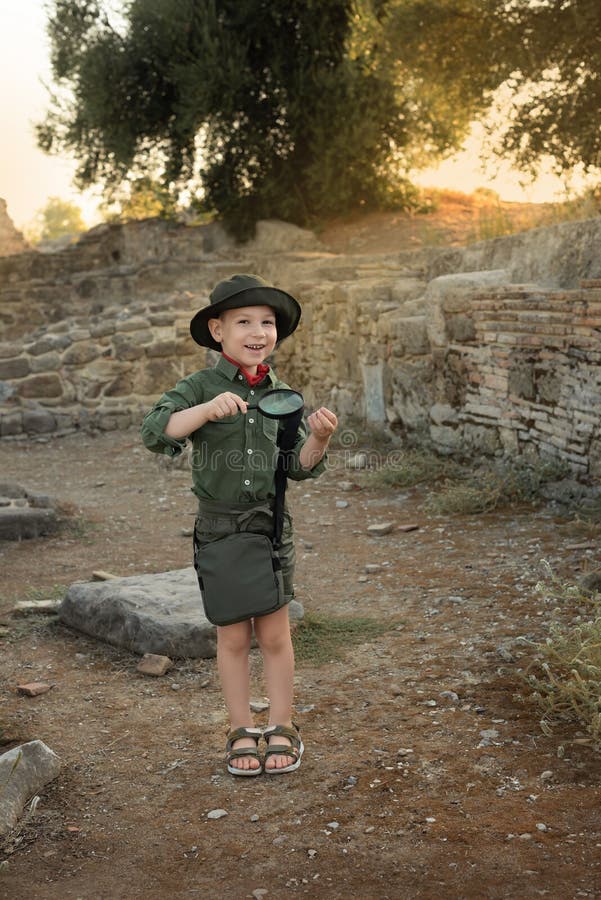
(215, 329)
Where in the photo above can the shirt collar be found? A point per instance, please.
(231, 370)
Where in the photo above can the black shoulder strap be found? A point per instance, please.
(286, 440)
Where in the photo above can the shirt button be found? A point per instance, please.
(252, 421)
(246, 482)
(252, 393)
(240, 377)
(249, 450)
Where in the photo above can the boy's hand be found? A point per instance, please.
(224, 405)
(323, 423)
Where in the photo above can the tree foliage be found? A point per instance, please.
(58, 218)
(545, 53)
(266, 103)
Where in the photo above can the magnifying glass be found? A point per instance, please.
(280, 403)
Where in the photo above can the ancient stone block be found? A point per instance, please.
(80, 353)
(10, 423)
(49, 342)
(38, 421)
(40, 386)
(24, 771)
(22, 522)
(161, 348)
(17, 367)
(46, 362)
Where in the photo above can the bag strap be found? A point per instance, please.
(286, 441)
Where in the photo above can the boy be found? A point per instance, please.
(233, 470)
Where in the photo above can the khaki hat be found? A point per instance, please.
(245, 290)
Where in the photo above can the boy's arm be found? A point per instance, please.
(185, 421)
(322, 423)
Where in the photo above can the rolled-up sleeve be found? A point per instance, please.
(185, 394)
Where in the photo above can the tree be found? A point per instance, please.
(265, 103)
(545, 54)
(58, 218)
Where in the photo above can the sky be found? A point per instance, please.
(29, 177)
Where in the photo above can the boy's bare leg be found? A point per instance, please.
(273, 635)
(233, 648)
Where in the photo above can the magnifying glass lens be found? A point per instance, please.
(280, 403)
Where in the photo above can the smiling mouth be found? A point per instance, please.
(255, 346)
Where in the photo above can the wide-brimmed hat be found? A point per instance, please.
(245, 290)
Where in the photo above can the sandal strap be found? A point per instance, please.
(293, 735)
(239, 733)
(242, 751)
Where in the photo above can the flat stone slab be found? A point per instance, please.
(24, 771)
(159, 614)
(24, 514)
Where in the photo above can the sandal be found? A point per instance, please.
(231, 753)
(295, 749)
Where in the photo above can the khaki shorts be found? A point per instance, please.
(216, 520)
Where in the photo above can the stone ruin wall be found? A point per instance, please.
(492, 348)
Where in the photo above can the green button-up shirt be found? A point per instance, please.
(233, 459)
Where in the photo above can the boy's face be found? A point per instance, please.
(247, 334)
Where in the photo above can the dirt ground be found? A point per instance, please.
(405, 791)
(426, 773)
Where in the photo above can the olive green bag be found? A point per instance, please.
(240, 577)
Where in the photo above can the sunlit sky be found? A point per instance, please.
(29, 177)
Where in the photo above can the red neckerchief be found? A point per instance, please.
(253, 380)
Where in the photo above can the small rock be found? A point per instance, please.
(153, 664)
(379, 529)
(396, 690)
(347, 486)
(541, 826)
(217, 814)
(34, 688)
(351, 780)
(372, 568)
(100, 575)
(406, 528)
(186, 532)
(450, 695)
(333, 825)
(369, 830)
(325, 523)
(504, 653)
(342, 504)
(362, 579)
(254, 818)
(308, 545)
(259, 706)
(357, 461)
(311, 854)
(404, 751)
(526, 836)
(35, 607)
(547, 775)
(259, 892)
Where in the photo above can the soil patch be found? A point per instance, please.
(426, 773)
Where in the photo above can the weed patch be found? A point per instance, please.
(406, 468)
(565, 676)
(320, 640)
(492, 487)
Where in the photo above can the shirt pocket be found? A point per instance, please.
(270, 429)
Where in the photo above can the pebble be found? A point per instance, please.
(259, 706)
(217, 814)
(186, 532)
(308, 545)
(311, 854)
(526, 836)
(379, 529)
(346, 486)
(362, 579)
(334, 825)
(547, 775)
(259, 892)
(504, 653)
(541, 826)
(450, 695)
(342, 504)
(372, 568)
(404, 751)
(351, 780)
(369, 830)
(254, 818)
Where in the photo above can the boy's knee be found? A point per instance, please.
(234, 638)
